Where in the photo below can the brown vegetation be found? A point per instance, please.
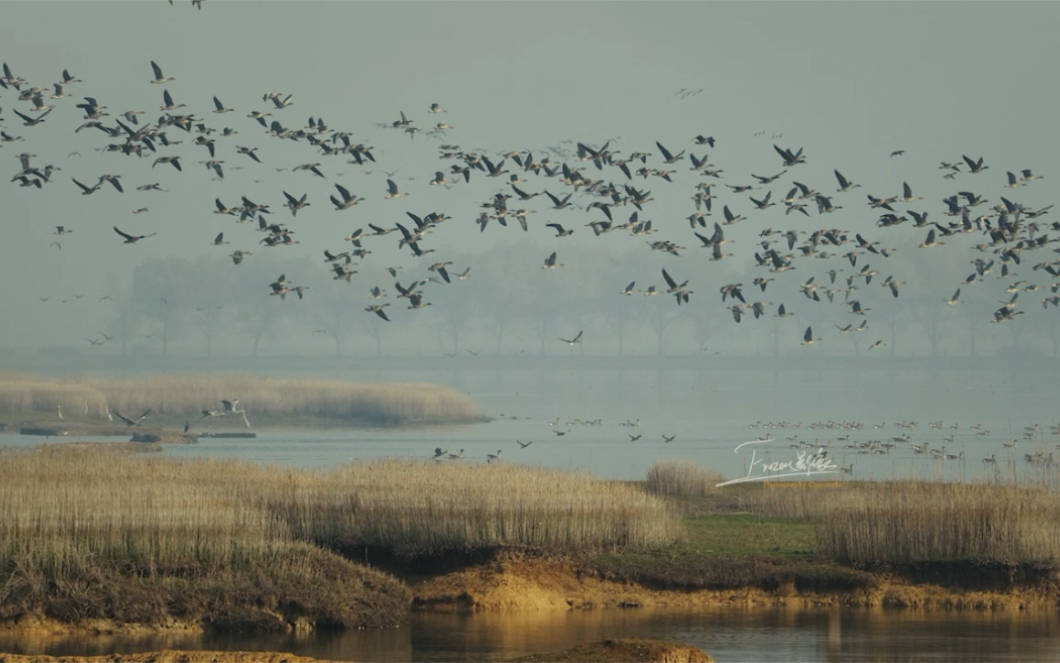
(682, 479)
(908, 522)
(181, 397)
(86, 534)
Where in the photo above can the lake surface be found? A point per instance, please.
(710, 411)
(782, 635)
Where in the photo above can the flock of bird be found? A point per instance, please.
(1005, 235)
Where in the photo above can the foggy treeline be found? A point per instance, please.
(509, 305)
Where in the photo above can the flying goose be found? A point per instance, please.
(132, 239)
(844, 183)
(159, 78)
(219, 107)
(975, 166)
(133, 422)
(789, 158)
(550, 262)
(574, 341)
(392, 190)
(807, 338)
(378, 310)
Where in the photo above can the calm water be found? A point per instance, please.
(733, 635)
(710, 412)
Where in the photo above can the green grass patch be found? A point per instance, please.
(729, 550)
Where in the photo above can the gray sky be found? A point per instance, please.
(848, 82)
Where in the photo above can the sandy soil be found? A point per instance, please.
(535, 584)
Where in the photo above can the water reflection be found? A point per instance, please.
(728, 635)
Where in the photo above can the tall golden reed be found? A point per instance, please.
(916, 521)
(682, 479)
(62, 508)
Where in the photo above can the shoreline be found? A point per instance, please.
(515, 582)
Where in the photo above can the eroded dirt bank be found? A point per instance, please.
(536, 584)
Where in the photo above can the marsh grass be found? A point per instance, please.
(914, 521)
(185, 396)
(417, 508)
(92, 534)
(682, 479)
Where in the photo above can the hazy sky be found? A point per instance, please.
(848, 82)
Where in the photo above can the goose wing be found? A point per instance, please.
(127, 236)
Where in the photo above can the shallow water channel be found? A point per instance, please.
(728, 635)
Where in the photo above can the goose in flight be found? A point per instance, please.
(731, 218)
(32, 121)
(378, 310)
(907, 194)
(560, 231)
(668, 439)
(416, 301)
(456, 456)
(955, 299)
(348, 199)
(669, 158)
(113, 179)
(295, 204)
(281, 103)
(169, 103)
(807, 338)
(219, 240)
(974, 166)
(219, 107)
(173, 161)
(790, 159)
(132, 239)
(159, 78)
(238, 256)
(550, 262)
(133, 422)
(844, 183)
(574, 341)
(557, 203)
(673, 286)
(629, 289)
(392, 190)
(768, 180)
(764, 203)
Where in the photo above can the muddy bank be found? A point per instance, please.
(168, 657)
(623, 651)
(541, 584)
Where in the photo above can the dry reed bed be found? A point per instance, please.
(913, 521)
(63, 508)
(185, 396)
(419, 508)
(682, 479)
